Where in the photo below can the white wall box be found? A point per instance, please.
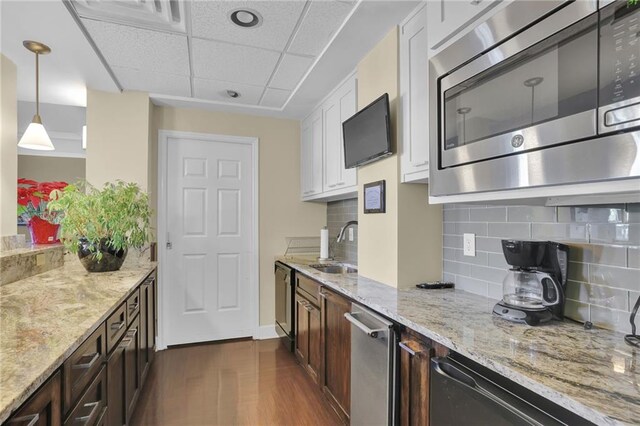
(324, 177)
(414, 95)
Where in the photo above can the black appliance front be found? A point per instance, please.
(285, 324)
(463, 392)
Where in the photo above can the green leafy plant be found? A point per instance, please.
(116, 216)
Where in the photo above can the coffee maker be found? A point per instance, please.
(534, 289)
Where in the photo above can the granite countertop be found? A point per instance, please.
(590, 372)
(44, 318)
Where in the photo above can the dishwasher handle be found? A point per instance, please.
(368, 331)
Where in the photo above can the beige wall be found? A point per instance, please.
(117, 137)
(48, 169)
(392, 246)
(8, 146)
(282, 214)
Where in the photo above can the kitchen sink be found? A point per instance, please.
(335, 269)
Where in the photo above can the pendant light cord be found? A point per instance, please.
(633, 339)
(37, 86)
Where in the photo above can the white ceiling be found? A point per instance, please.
(188, 54)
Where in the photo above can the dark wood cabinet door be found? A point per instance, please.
(145, 360)
(115, 385)
(415, 364)
(302, 327)
(132, 367)
(152, 316)
(43, 408)
(92, 405)
(314, 364)
(336, 337)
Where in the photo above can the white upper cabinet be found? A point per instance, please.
(338, 108)
(414, 91)
(322, 172)
(311, 155)
(448, 20)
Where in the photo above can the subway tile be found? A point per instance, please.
(452, 241)
(517, 231)
(497, 260)
(559, 231)
(619, 233)
(608, 297)
(633, 257)
(600, 254)
(481, 258)
(633, 298)
(531, 214)
(494, 291)
(449, 254)
(596, 214)
(472, 285)
(489, 214)
(614, 277)
(491, 275)
(611, 319)
(456, 268)
(456, 215)
(487, 244)
(472, 228)
(449, 228)
(575, 310)
(447, 277)
(578, 272)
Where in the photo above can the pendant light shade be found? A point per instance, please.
(36, 137)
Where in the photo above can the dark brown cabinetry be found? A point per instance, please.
(308, 343)
(415, 358)
(43, 408)
(99, 384)
(336, 351)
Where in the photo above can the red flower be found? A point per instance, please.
(36, 192)
(23, 181)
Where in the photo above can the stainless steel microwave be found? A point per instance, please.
(542, 93)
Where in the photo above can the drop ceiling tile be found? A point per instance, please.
(153, 82)
(320, 23)
(216, 90)
(210, 19)
(275, 97)
(290, 71)
(145, 50)
(240, 64)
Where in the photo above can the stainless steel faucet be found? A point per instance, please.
(346, 225)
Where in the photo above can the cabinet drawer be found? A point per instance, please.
(82, 366)
(308, 288)
(93, 403)
(133, 306)
(116, 326)
(43, 408)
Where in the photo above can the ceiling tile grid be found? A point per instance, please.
(196, 51)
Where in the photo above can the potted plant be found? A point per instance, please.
(101, 225)
(33, 199)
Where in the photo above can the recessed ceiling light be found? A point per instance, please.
(233, 94)
(246, 18)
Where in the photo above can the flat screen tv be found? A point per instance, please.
(367, 135)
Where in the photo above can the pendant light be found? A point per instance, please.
(36, 137)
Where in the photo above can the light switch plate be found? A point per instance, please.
(350, 234)
(469, 244)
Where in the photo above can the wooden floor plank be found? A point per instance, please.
(231, 383)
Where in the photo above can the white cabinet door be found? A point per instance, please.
(315, 155)
(340, 106)
(306, 163)
(414, 90)
(450, 19)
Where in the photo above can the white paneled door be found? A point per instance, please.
(210, 240)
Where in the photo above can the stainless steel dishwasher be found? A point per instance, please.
(373, 366)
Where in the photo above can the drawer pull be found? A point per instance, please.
(94, 409)
(32, 419)
(309, 307)
(124, 343)
(116, 326)
(87, 365)
(133, 307)
(406, 348)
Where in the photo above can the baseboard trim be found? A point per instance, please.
(267, 332)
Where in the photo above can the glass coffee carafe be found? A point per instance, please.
(530, 289)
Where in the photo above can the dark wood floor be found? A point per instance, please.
(233, 383)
